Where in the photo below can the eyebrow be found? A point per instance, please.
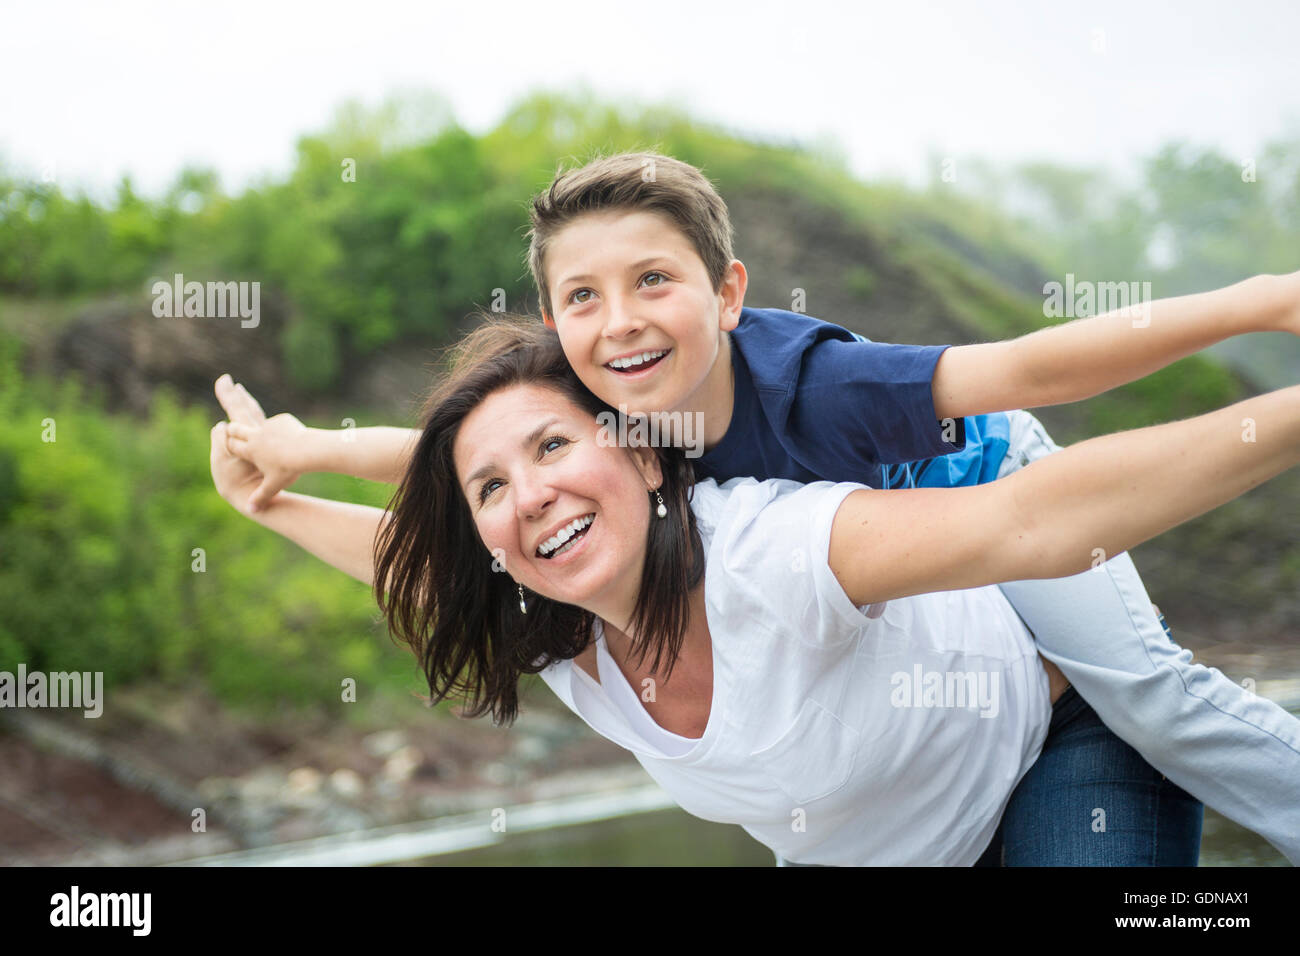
(490, 467)
(632, 268)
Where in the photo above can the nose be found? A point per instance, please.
(621, 320)
(533, 494)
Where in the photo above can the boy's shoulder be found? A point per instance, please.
(779, 349)
(774, 329)
(839, 405)
(772, 343)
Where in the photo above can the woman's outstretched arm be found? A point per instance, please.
(1065, 512)
(339, 533)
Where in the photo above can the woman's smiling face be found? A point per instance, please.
(566, 515)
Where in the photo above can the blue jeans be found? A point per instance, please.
(1091, 800)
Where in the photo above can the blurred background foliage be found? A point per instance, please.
(116, 555)
(97, 529)
(439, 221)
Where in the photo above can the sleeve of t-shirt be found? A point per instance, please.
(775, 549)
(855, 404)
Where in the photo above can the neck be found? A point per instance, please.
(714, 400)
(623, 645)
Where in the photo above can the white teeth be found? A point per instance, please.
(637, 359)
(564, 534)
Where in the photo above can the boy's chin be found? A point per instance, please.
(641, 402)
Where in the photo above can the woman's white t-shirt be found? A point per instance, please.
(890, 735)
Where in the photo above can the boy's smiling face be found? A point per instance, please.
(637, 315)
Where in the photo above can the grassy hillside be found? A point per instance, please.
(361, 282)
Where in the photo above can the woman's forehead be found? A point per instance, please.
(508, 417)
(522, 402)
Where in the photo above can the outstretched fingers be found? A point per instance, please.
(252, 410)
(238, 404)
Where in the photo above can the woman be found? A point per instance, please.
(833, 736)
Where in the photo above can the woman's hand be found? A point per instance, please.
(236, 480)
(338, 533)
(271, 446)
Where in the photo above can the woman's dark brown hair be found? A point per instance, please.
(458, 609)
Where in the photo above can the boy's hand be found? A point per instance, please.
(268, 445)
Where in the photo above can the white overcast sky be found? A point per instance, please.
(92, 90)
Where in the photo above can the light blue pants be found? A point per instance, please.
(1233, 750)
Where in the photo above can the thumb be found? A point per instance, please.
(219, 439)
(260, 498)
(237, 441)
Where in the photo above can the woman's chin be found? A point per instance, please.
(581, 590)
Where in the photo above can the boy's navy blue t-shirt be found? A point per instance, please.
(814, 402)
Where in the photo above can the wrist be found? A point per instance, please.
(272, 514)
(240, 503)
(312, 450)
(1275, 299)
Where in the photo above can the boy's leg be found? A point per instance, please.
(1233, 750)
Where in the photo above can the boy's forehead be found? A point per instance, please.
(625, 234)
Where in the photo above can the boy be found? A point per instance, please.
(632, 259)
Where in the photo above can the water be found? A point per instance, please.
(675, 838)
(660, 838)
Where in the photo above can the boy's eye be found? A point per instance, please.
(577, 292)
(648, 275)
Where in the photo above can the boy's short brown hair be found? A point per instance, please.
(633, 181)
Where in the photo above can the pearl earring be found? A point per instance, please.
(522, 606)
(661, 511)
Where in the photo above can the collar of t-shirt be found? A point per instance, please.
(616, 688)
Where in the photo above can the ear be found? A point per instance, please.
(548, 321)
(647, 463)
(732, 294)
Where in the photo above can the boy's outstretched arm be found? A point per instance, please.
(283, 448)
(375, 452)
(1083, 358)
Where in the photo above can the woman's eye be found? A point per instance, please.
(487, 489)
(557, 442)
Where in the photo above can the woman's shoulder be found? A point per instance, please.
(749, 495)
(767, 556)
(744, 515)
